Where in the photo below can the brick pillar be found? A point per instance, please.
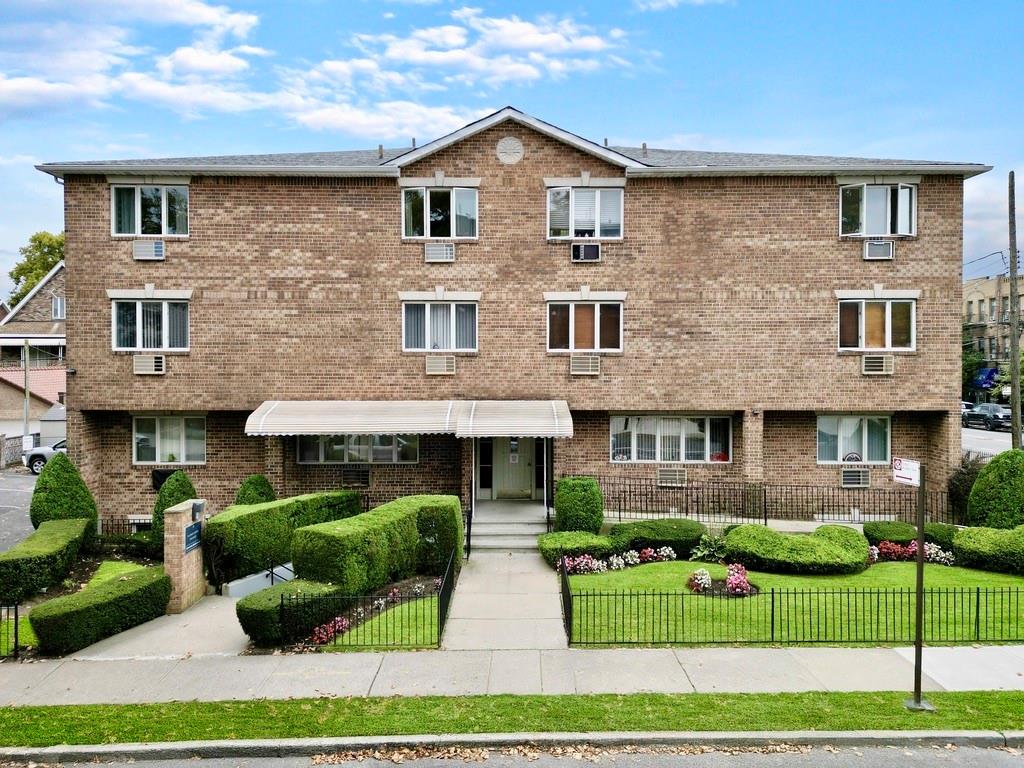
(185, 568)
(753, 445)
(274, 464)
(466, 468)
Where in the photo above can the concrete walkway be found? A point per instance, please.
(457, 673)
(505, 601)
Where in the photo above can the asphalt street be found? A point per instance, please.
(982, 441)
(15, 494)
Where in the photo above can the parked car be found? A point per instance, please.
(965, 406)
(987, 416)
(36, 458)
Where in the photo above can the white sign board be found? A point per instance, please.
(27, 442)
(906, 471)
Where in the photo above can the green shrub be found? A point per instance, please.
(889, 530)
(830, 549)
(255, 489)
(260, 613)
(554, 546)
(579, 505)
(41, 560)
(246, 538)
(362, 553)
(440, 527)
(67, 624)
(960, 484)
(941, 534)
(997, 498)
(681, 535)
(176, 489)
(61, 494)
(990, 549)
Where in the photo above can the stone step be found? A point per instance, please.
(506, 543)
(504, 529)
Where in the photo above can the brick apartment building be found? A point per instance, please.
(438, 318)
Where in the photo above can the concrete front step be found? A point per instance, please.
(506, 543)
(508, 529)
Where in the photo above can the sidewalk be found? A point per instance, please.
(458, 673)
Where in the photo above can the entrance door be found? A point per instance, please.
(513, 467)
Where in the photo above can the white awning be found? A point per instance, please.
(463, 418)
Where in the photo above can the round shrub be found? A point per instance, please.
(830, 549)
(579, 505)
(889, 530)
(681, 535)
(255, 489)
(554, 546)
(990, 549)
(941, 534)
(176, 489)
(997, 498)
(61, 494)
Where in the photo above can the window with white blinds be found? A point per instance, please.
(150, 325)
(584, 212)
(441, 326)
(671, 439)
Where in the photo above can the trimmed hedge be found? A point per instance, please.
(261, 619)
(176, 489)
(889, 530)
(960, 484)
(244, 539)
(66, 624)
(941, 534)
(579, 505)
(41, 560)
(990, 549)
(439, 524)
(554, 546)
(682, 535)
(255, 489)
(61, 494)
(997, 498)
(830, 549)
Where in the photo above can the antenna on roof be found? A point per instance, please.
(380, 151)
(414, 142)
(644, 148)
(606, 141)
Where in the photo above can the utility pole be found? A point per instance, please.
(1014, 324)
(25, 432)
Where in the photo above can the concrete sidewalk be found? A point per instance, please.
(457, 673)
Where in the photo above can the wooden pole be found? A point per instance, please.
(1015, 425)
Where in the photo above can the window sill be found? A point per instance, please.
(877, 237)
(422, 240)
(601, 352)
(652, 462)
(168, 352)
(852, 352)
(458, 353)
(167, 464)
(859, 464)
(583, 240)
(149, 237)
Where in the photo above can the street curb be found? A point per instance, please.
(184, 750)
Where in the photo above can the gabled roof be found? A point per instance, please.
(5, 309)
(35, 289)
(43, 383)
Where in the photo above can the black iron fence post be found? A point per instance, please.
(773, 614)
(977, 613)
(16, 638)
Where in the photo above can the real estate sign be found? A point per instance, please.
(906, 471)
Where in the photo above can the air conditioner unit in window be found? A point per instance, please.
(671, 477)
(586, 252)
(879, 250)
(149, 365)
(855, 477)
(877, 365)
(584, 365)
(148, 250)
(440, 365)
(438, 252)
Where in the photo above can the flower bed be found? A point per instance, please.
(735, 584)
(890, 551)
(628, 559)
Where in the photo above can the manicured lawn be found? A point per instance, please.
(650, 605)
(411, 624)
(112, 569)
(26, 637)
(97, 724)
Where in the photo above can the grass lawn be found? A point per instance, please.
(26, 636)
(642, 605)
(411, 624)
(296, 718)
(112, 569)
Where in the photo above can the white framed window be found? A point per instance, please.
(169, 440)
(877, 210)
(670, 439)
(585, 326)
(854, 439)
(358, 449)
(585, 212)
(58, 308)
(878, 324)
(449, 213)
(439, 326)
(149, 210)
(149, 326)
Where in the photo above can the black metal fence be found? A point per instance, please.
(628, 498)
(872, 616)
(397, 618)
(9, 639)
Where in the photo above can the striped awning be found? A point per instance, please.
(462, 418)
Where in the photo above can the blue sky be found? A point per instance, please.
(104, 79)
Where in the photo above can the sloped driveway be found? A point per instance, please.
(15, 494)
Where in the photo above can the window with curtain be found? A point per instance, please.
(151, 325)
(885, 324)
(853, 439)
(584, 212)
(670, 439)
(358, 449)
(149, 210)
(440, 326)
(169, 440)
(877, 210)
(585, 327)
(443, 212)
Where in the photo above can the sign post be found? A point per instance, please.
(908, 472)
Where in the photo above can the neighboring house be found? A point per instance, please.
(12, 407)
(5, 309)
(504, 305)
(986, 316)
(53, 425)
(39, 319)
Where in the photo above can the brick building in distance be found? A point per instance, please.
(509, 303)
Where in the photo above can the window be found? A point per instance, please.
(450, 213)
(992, 310)
(169, 439)
(992, 353)
(671, 439)
(853, 439)
(440, 326)
(970, 311)
(149, 210)
(584, 327)
(150, 325)
(358, 449)
(872, 210)
(877, 325)
(584, 212)
(58, 308)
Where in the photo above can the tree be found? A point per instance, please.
(176, 489)
(61, 494)
(43, 252)
(1003, 377)
(972, 361)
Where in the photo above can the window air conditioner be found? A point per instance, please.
(878, 365)
(586, 252)
(879, 250)
(148, 250)
(855, 477)
(440, 365)
(584, 365)
(149, 365)
(438, 252)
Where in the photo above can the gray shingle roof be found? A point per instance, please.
(347, 158)
(683, 158)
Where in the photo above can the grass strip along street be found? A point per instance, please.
(298, 718)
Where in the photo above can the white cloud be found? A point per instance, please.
(388, 119)
(986, 226)
(661, 5)
(187, 13)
